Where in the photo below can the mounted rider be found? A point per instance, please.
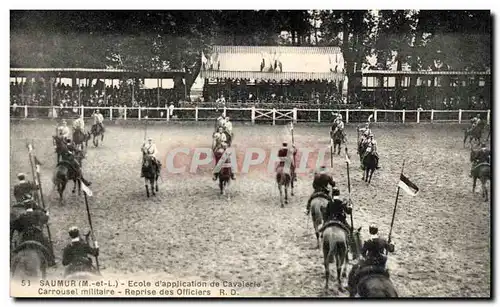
(227, 163)
(228, 127)
(24, 188)
(322, 179)
(336, 210)
(482, 155)
(149, 149)
(79, 125)
(62, 131)
(75, 254)
(29, 225)
(374, 249)
(475, 121)
(98, 119)
(374, 254)
(219, 138)
(370, 146)
(283, 157)
(339, 126)
(68, 157)
(221, 120)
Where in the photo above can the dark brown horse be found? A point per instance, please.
(64, 172)
(481, 171)
(82, 268)
(60, 146)
(80, 139)
(370, 162)
(337, 138)
(284, 179)
(97, 130)
(474, 133)
(151, 174)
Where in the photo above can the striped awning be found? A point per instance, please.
(274, 63)
(255, 75)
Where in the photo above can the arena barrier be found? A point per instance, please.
(252, 114)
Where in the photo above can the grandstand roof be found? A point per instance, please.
(92, 72)
(274, 63)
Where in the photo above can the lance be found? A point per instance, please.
(331, 152)
(38, 181)
(395, 206)
(293, 144)
(30, 149)
(347, 161)
(96, 245)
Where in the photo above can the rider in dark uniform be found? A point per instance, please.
(30, 224)
(76, 253)
(336, 210)
(483, 155)
(320, 185)
(69, 156)
(24, 188)
(374, 249)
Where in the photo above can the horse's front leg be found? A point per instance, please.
(152, 184)
(281, 195)
(146, 186)
(286, 196)
(291, 184)
(474, 185)
(371, 174)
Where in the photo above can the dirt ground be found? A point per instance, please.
(188, 230)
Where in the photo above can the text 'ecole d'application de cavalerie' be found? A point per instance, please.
(251, 153)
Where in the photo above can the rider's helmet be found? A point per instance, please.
(63, 122)
(97, 110)
(335, 192)
(74, 232)
(340, 116)
(68, 141)
(285, 144)
(29, 202)
(373, 229)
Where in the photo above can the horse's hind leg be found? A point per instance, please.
(281, 195)
(156, 184)
(371, 174)
(291, 184)
(474, 185)
(152, 184)
(286, 196)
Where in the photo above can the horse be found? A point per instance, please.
(481, 171)
(80, 138)
(337, 138)
(370, 162)
(335, 247)
(369, 281)
(284, 180)
(63, 173)
(60, 146)
(150, 171)
(474, 133)
(29, 261)
(224, 174)
(318, 209)
(97, 130)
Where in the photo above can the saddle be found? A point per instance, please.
(336, 223)
(362, 272)
(32, 244)
(320, 194)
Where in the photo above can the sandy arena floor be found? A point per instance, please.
(188, 230)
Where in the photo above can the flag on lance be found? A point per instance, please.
(408, 186)
(86, 189)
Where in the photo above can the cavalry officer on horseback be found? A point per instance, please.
(76, 253)
(283, 156)
(475, 121)
(24, 188)
(78, 125)
(69, 157)
(483, 155)
(373, 250)
(62, 130)
(221, 120)
(149, 149)
(370, 145)
(98, 119)
(339, 126)
(320, 185)
(218, 155)
(336, 210)
(30, 224)
(219, 138)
